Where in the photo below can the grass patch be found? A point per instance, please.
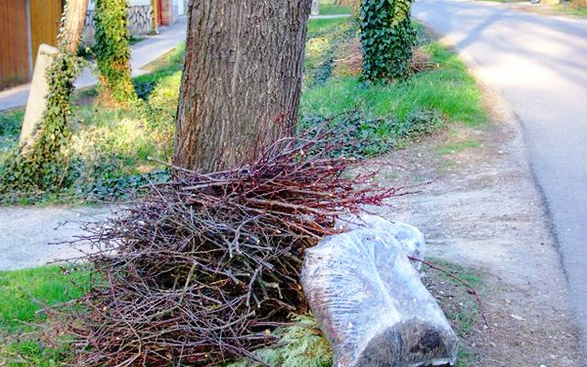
(21, 294)
(457, 147)
(332, 9)
(449, 89)
(570, 9)
(323, 26)
(383, 115)
(33, 353)
(329, 7)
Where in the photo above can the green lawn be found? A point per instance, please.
(23, 294)
(329, 7)
(332, 9)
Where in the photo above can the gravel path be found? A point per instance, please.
(28, 235)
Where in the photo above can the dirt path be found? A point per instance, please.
(481, 209)
(504, 45)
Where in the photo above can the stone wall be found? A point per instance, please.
(140, 21)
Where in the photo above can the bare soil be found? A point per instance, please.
(480, 208)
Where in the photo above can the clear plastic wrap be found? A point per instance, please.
(371, 304)
(409, 237)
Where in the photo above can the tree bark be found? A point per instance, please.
(241, 80)
(74, 23)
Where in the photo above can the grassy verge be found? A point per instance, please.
(329, 7)
(570, 9)
(384, 116)
(22, 296)
(446, 87)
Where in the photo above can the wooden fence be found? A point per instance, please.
(24, 25)
(14, 56)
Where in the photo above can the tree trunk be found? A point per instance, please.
(387, 39)
(74, 23)
(241, 80)
(112, 52)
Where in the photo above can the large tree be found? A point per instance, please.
(241, 80)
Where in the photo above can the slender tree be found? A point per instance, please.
(241, 80)
(387, 38)
(113, 52)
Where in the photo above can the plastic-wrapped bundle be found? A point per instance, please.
(371, 304)
(410, 237)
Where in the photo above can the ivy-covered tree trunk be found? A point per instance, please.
(241, 80)
(112, 52)
(43, 164)
(387, 38)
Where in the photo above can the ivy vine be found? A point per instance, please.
(43, 165)
(112, 51)
(387, 38)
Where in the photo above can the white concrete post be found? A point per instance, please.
(315, 10)
(39, 89)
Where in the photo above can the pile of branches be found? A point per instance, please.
(202, 269)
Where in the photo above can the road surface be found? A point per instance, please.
(539, 65)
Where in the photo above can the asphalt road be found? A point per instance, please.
(539, 65)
